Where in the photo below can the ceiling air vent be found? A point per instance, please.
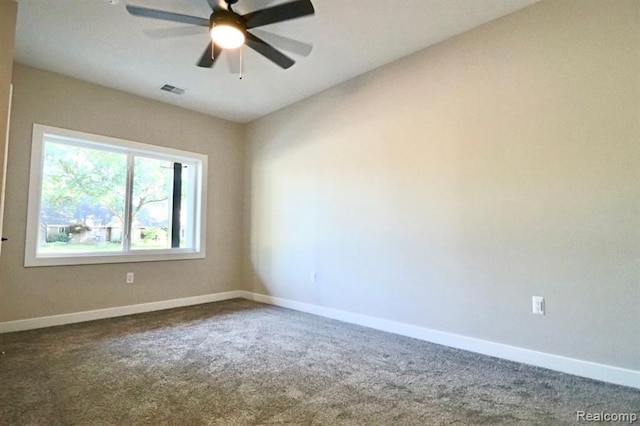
(172, 89)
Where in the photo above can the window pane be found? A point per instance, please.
(151, 204)
(98, 199)
(185, 208)
(82, 200)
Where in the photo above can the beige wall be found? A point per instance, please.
(446, 189)
(8, 13)
(47, 98)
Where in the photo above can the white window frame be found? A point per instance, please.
(31, 256)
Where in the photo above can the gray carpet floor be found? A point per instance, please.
(242, 363)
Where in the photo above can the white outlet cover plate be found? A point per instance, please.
(537, 305)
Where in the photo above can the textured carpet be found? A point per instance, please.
(243, 363)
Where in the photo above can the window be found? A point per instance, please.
(96, 199)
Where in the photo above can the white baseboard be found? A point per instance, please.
(50, 321)
(591, 370)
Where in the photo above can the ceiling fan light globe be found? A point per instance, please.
(227, 36)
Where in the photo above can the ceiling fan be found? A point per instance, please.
(229, 30)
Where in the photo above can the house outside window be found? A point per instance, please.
(96, 199)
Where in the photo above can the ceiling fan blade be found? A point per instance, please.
(268, 51)
(279, 13)
(181, 31)
(285, 43)
(206, 60)
(167, 16)
(246, 6)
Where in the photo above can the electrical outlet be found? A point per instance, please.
(129, 277)
(537, 305)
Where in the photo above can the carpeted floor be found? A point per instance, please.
(242, 363)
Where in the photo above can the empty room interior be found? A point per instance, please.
(363, 212)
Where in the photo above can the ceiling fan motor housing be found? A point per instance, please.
(223, 17)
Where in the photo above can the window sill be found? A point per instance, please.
(93, 258)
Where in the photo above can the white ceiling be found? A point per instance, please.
(101, 43)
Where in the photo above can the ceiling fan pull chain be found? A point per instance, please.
(213, 48)
(241, 62)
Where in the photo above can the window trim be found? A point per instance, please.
(31, 257)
